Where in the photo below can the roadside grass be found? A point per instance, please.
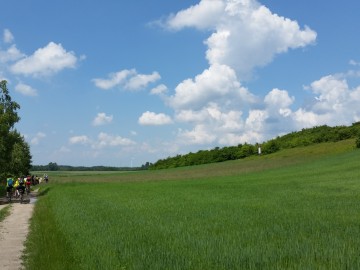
(4, 212)
(301, 215)
(46, 241)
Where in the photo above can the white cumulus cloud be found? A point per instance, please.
(245, 34)
(140, 81)
(82, 139)
(218, 83)
(102, 119)
(114, 79)
(335, 103)
(278, 98)
(11, 54)
(159, 90)
(107, 140)
(200, 134)
(202, 16)
(151, 118)
(129, 79)
(45, 61)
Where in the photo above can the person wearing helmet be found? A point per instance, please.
(16, 184)
(28, 184)
(9, 187)
(21, 186)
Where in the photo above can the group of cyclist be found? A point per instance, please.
(18, 187)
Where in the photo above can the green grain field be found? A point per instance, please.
(295, 209)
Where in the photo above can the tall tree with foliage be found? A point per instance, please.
(15, 155)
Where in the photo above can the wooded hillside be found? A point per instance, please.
(304, 137)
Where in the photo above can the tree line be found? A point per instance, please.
(15, 157)
(53, 166)
(305, 137)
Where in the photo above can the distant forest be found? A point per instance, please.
(52, 166)
(318, 134)
(304, 137)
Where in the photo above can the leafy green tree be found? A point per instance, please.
(271, 146)
(53, 166)
(20, 163)
(15, 155)
(247, 150)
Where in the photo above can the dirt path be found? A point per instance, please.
(13, 232)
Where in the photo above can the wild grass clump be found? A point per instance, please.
(5, 212)
(303, 216)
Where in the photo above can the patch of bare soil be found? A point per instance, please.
(13, 232)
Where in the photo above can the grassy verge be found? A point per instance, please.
(4, 212)
(304, 215)
(46, 242)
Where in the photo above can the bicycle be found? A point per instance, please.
(9, 193)
(27, 189)
(21, 191)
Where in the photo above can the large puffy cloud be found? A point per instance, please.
(225, 128)
(331, 93)
(214, 106)
(278, 98)
(199, 135)
(151, 118)
(211, 123)
(202, 16)
(213, 116)
(45, 61)
(335, 103)
(245, 34)
(218, 83)
(278, 102)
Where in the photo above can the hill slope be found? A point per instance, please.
(282, 158)
(305, 137)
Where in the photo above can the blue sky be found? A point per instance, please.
(120, 83)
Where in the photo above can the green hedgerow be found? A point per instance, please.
(358, 142)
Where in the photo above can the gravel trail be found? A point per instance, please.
(13, 232)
